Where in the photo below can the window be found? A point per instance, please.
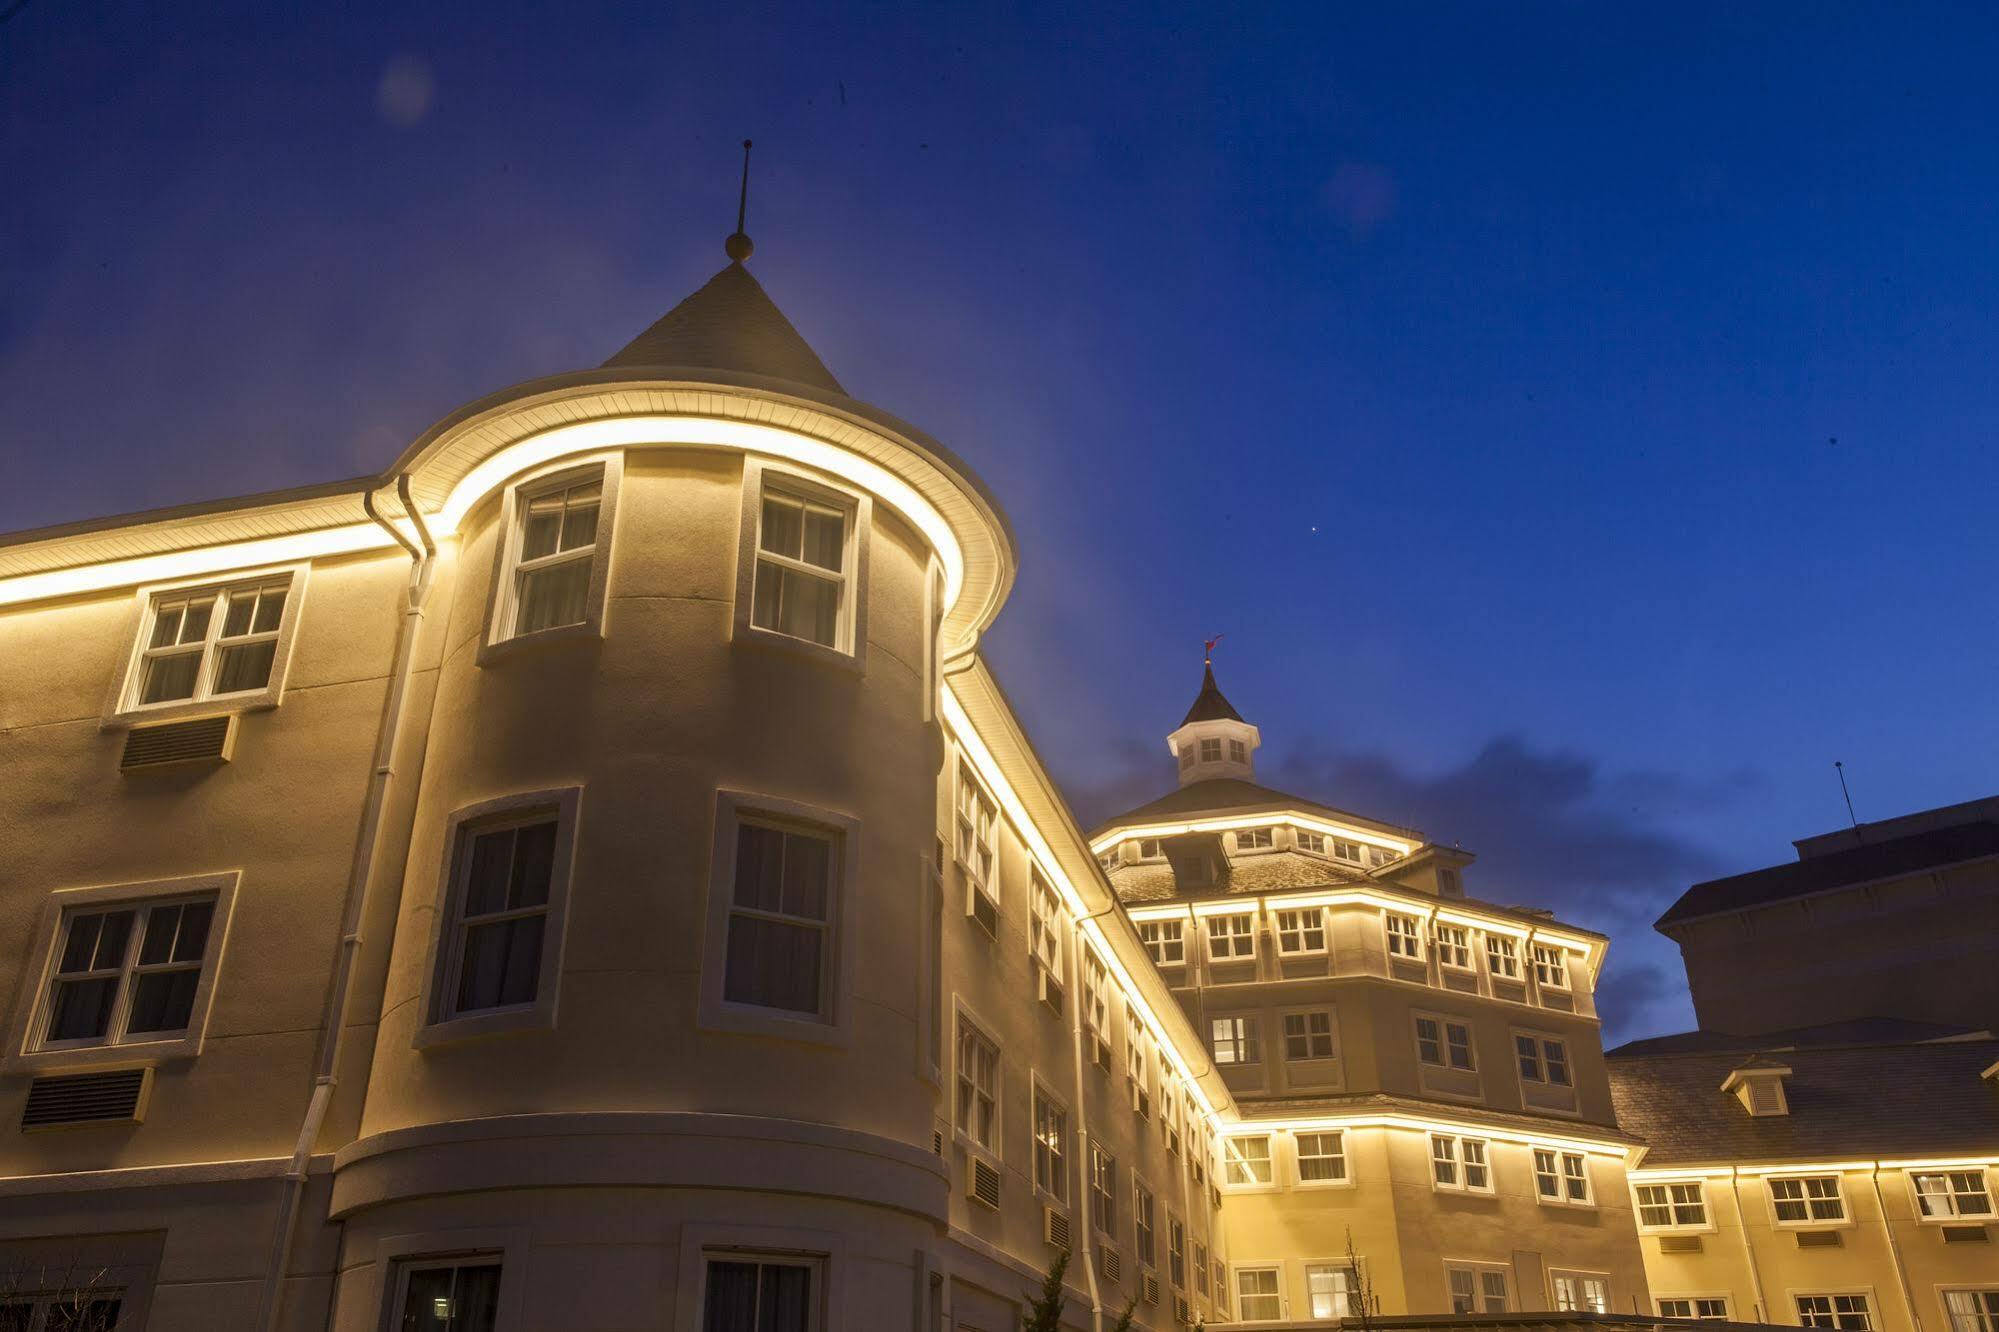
(1328, 1286)
(449, 1294)
(1580, 1292)
(1403, 940)
(1096, 1005)
(1476, 1288)
(1347, 851)
(1669, 1206)
(1257, 1300)
(781, 919)
(1148, 848)
(1561, 1177)
(1169, 1116)
(1231, 937)
(1110, 859)
(1221, 1287)
(1051, 1147)
(126, 974)
(1807, 1198)
(1377, 856)
(978, 835)
(1972, 1310)
(1459, 1163)
(1448, 882)
(1176, 1252)
(1712, 1308)
(1254, 839)
(1211, 751)
(1137, 1069)
(1312, 842)
(1044, 933)
(805, 560)
(1443, 1044)
(1235, 1040)
(1238, 752)
(1143, 1212)
(1502, 957)
(1301, 931)
(1186, 757)
(1321, 1158)
(1308, 1035)
(749, 1292)
(1201, 1267)
(1453, 944)
(78, 1310)
(978, 1084)
(221, 641)
(1103, 1189)
(552, 554)
(1542, 1059)
(1841, 1311)
(1247, 1160)
(498, 915)
(1951, 1193)
(1165, 940)
(1551, 967)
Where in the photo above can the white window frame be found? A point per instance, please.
(499, 638)
(1332, 1034)
(1672, 1205)
(460, 1247)
(440, 967)
(1102, 1190)
(1693, 1302)
(1578, 1280)
(1446, 1047)
(1144, 1224)
(1951, 1195)
(1255, 839)
(1551, 967)
(1452, 945)
(1463, 1153)
(1344, 1296)
(1275, 1271)
(1502, 956)
(1342, 1180)
(1047, 926)
(1211, 749)
(1559, 1162)
(974, 810)
(1480, 1295)
(963, 1020)
(1234, 1158)
(24, 1050)
(832, 1026)
(1865, 1294)
(1544, 1066)
(849, 650)
(1096, 1007)
(1309, 842)
(1176, 1252)
(1985, 1319)
(1159, 945)
(1810, 1221)
(122, 707)
(1402, 936)
(1304, 922)
(1246, 1040)
(1241, 943)
(405, 1267)
(1137, 1063)
(1060, 1155)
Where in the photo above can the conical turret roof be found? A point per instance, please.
(731, 324)
(1209, 705)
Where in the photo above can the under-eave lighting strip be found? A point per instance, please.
(1466, 1128)
(1232, 822)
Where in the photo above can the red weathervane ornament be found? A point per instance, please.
(1208, 650)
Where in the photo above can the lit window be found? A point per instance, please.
(1667, 1206)
(1301, 931)
(1972, 1310)
(1551, 967)
(1231, 937)
(1311, 841)
(1329, 1286)
(1453, 944)
(1712, 1309)
(1952, 1193)
(1542, 1059)
(749, 1292)
(978, 1084)
(1247, 1160)
(1444, 1044)
(1238, 752)
(1308, 1035)
(1502, 957)
(1235, 1040)
(1403, 938)
(1211, 751)
(1142, 1218)
(1103, 1189)
(1561, 1177)
(210, 643)
(1476, 1289)
(1165, 940)
(1221, 1287)
(1459, 1163)
(452, 1295)
(1176, 1252)
(804, 566)
(1807, 1198)
(498, 914)
(1254, 839)
(1137, 1069)
(780, 920)
(1044, 931)
(1848, 1312)
(1257, 1299)
(1348, 851)
(1051, 1147)
(1577, 1292)
(978, 834)
(126, 974)
(1321, 1157)
(554, 554)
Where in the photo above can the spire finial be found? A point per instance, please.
(739, 246)
(1208, 650)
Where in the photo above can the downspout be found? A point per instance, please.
(1748, 1248)
(1895, 1250)
(423, 566)
(1083, 1139)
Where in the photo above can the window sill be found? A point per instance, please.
(93, 1058)
(227, 706)
(1316, 1184)
(838, 658)
(748, 1020)
(498, 650)
(1793, 1226)
(471, 1026)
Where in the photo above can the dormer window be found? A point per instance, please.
(1254, 839)
(1347, 851)
(1186, 757)
(1312, 842)
(1403, 939)
(1759, 1086)
(1192, 869)
(1377, 856)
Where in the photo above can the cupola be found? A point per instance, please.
(1213, 740)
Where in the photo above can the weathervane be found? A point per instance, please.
(1208, 650)
(739, 246)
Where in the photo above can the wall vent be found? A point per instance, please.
(203, 740)
(1109, 1263)
(937, 1141)
(1151, 1284)
(1055, 1227)
(1051, 990)
(1819, 1239)
(982, 1182)
(984, 911)
(1966, 1235)
(1679, 1244)
(1183, 1310)
(85, 1098)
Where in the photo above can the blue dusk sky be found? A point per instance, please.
(1577, 418)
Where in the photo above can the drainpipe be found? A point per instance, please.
(1748, 1248)
(423, 565)
(1083, 1139)
(1895, 1251)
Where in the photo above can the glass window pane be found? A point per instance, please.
(81, 1010)
(773, 965)
(579, 522)
(247, 666)
(80, 947)
(759, 867)
(166, 625)
(731, 1304)
(163, 1000)
(784, 1302)
(236, 620)
(492, 864)
(501, 964)
(554, 596)
(167, 678)
(825, 538)
(783, 530)
(161, 925)
(270, 609)
(807, 862)
(192, 941)
(534, 865)
(763, 605)
(81, 1313)
(194, 625)
(542, 527)
(808, 607)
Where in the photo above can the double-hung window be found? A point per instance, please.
(127, 973)
(1542, 1059)
(1704, 1307)
(1453, 944)
(1805, 1199)
(755, 1292)
(91, 1309)
(1165, 940)
(1247, 1160)
(1144, 1217)
(1301, 930)
(780, 935)
(1944, 1194)
(1459, 1163)
(1137, 1069)
(1444, 1044)
(1254, 839)
(1308, 1035)
(1551, 967)
(214, 642)
(1044, 928)
(1103, 1190)
(1211, 750)
(1235, 1040)
(1231, 937)
(1238, 752)
(497, 920)
(1404, 940)
(1097, 1006)
(1329, 1287)
(1257, 1296)
(1176, 1252)
(1581, 1292)
(1846, 1312)
(1678, 1204)
(1476, 1288)
(460, 1294)
(1322, 1157)
(804, 564)
(1972, 1310)
(1051, 1146)
(554, 553)
(978, 1085)
(978, 846)
(1562, 1177)
(1502, 957)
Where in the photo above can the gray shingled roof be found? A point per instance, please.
(1818, 874)
(1209, 705)
(1232, 795)
(1857, 1031)
(1846, 1102)
(729, 324)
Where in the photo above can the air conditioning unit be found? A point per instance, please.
(1055, 1226)
(203, 740)
(1151, 1287)
(1048, 989)
(1183, 1311)
(1109, 1263)
(982, 1181)
(1679, 1244)
(1819, 1239)
(1966, 1235)
(982, 909)
(116, 1097)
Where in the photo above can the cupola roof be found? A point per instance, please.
(730, 324)
(1209, 705)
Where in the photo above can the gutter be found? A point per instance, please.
(423, 567)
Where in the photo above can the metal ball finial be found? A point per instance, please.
(739, 246)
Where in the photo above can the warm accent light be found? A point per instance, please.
(173, 565)
(1232, 822)
(1419, 1124)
